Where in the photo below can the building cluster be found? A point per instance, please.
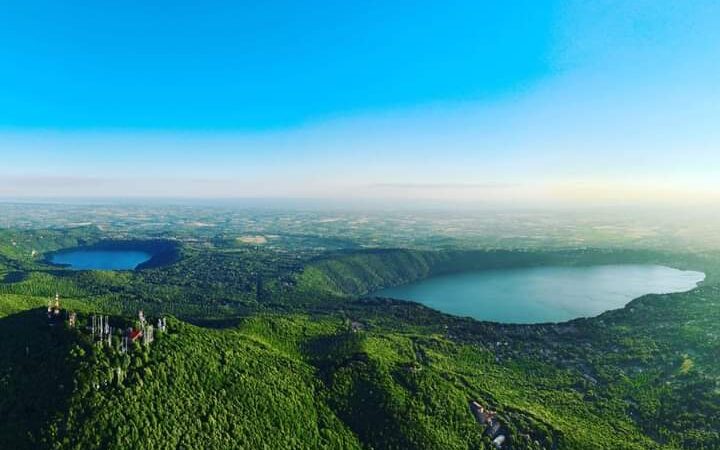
(101, 330)
(54, 315)
(493, 428)
(144, 332)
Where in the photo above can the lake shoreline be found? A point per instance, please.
(543, 294)
(161, 252)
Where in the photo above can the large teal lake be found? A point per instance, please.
(82, 259)
(543, 294)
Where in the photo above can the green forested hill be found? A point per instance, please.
(295, 382)
(196, 388)
(312, 364)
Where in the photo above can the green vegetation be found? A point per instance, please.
(275, 346)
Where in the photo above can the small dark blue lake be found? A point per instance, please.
(92, 259)
(543, 294)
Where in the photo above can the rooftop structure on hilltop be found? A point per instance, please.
(53, 310)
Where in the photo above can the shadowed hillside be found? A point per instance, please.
(37, 377)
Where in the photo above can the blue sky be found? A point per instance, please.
(524, 103)
(257, 65)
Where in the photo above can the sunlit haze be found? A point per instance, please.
(321, 225)
(540, 103)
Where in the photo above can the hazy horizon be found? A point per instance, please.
(646, 212)
(559, 104)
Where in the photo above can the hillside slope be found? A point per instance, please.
(335, 370)
(292, 382)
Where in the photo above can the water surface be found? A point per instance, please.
(84, 259)
(543, 294)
